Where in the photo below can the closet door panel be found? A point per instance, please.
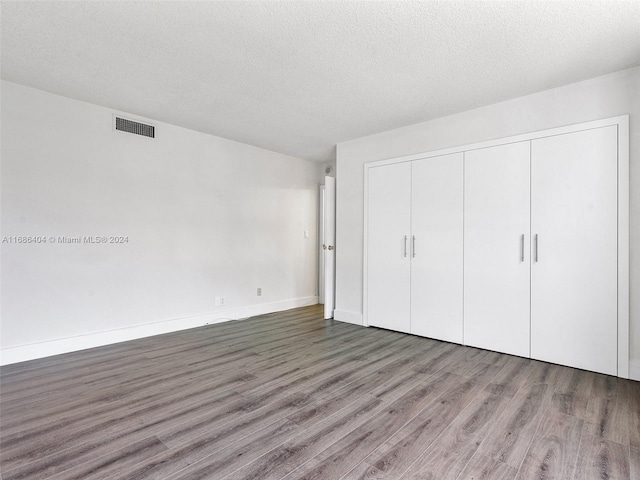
(496, 263)
(388, 244)
(437, 250)
(574, 280)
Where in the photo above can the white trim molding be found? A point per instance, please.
(22, 353)
(624, 355)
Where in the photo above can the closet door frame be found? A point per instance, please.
(622, 123)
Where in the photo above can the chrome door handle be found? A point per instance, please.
(522, 248)
(405, 245)
(536, 248)
(413, 248)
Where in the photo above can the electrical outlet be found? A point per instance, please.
(259, 291)
(219, 301)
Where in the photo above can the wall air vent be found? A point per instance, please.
(136, 128)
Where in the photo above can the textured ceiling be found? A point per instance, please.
(298, 77)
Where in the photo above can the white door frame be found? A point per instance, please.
(329, 213)
(320, 244)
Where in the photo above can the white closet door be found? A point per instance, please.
(496, 264)
(388, 244)
(436, 241)
(574, 280)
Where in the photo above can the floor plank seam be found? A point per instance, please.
(575, 462)
(530, 443)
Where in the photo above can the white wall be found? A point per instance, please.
(598, 98)
(204, 216)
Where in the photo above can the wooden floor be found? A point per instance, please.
(290, 395)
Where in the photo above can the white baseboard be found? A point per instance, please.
(348, 317)
(634, 370)
(22, 353)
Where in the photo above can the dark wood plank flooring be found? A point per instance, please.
(291, 396)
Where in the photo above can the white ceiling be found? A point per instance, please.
(297, 77)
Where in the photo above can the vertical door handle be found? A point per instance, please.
(414, 246)
(536, 248)
(405, 245)
(522, 248)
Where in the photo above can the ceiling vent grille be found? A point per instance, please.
(136, 128)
